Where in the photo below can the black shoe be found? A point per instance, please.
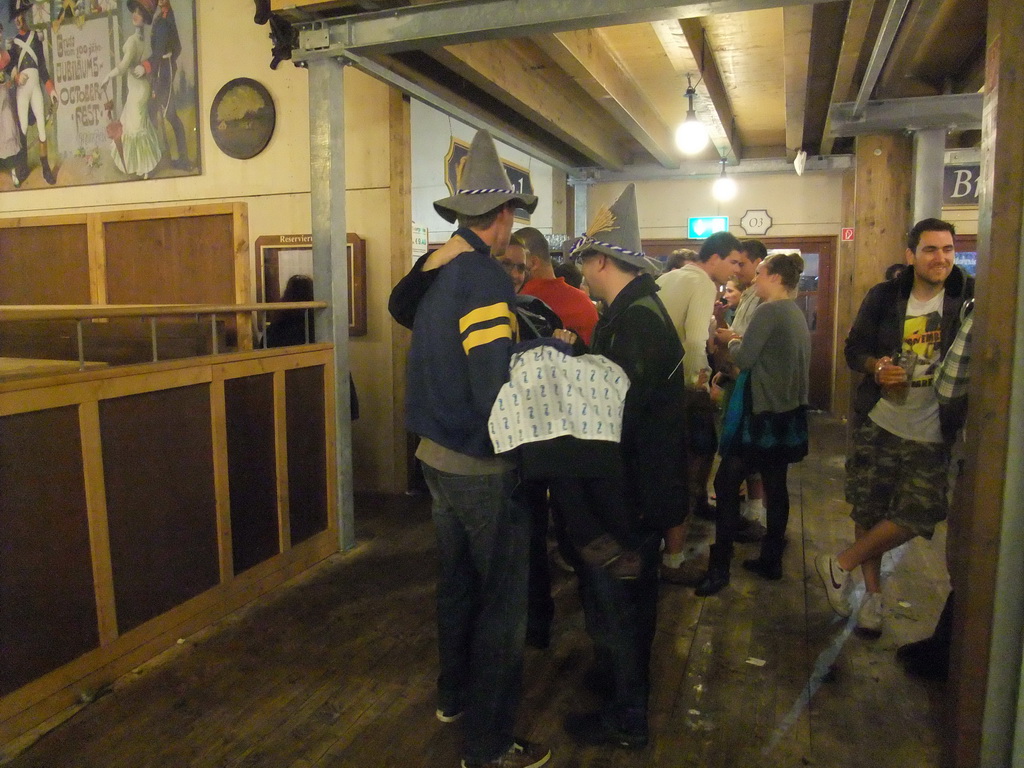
(926, 658)
(714, 581)
(749, 532)
(592, 729)
(766, 570)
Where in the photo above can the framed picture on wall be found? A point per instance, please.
(278, 257)
(117, 92)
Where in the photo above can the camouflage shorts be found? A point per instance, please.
(903, 481)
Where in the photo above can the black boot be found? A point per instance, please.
(929, 658)
(48, 174)
(769, 564)
(717, 577)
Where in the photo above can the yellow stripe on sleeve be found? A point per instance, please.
(484, 315)
(485, 336)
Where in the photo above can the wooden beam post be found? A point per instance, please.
(987, 567)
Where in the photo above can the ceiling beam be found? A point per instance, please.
(520, 75)
(962, 110)
(411, 81)
(796, 30)
(827, 32)
(471, 21)
(883, 44)
(589, 60)
(708, 169)
(858, 21)
(724, 133)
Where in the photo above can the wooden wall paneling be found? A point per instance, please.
(307, 452)
(97, 261)
(45, 264)
(99, 531)
(221, 481)
(47, 602)
(281, 465)
(164, 260)
(158, 464)
(251, 469)
(243, 278)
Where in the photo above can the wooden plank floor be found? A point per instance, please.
(338, 669)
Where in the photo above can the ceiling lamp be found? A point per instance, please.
(724, 188)
(691, 135)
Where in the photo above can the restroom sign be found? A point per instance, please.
(847, 235)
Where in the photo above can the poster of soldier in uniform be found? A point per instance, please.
(97, 91)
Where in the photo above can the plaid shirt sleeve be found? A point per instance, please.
(955, 370)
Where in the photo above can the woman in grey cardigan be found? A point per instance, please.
(765, 425)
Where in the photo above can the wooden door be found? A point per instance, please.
(816, 299)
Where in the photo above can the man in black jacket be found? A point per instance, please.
(637, 333)
(896, 474)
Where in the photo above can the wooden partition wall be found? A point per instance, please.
(194, 254)
(140, 504)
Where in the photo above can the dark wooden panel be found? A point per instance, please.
(307, 452)
(47, 604)
(44, 265)
(158, 466)
(189, 259)
(252, 473)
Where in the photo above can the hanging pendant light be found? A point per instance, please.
(692, 134)
(724, 188)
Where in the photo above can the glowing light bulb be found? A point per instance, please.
(723, 189)
(691, 135)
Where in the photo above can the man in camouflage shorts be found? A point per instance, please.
(896, 473)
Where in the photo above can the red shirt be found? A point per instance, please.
(572, 305)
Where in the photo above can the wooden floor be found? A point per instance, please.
(338, 669)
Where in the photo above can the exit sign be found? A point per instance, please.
(703, 226)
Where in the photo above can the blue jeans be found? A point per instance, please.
(483, 546)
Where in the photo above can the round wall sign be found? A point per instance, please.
(242, 118)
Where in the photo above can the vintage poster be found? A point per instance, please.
(97, 91)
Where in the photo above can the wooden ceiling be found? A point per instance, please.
(610, 97)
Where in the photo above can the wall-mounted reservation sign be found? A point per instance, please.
(960, 185)
(756, 222)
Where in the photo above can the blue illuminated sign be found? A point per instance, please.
(703, 226)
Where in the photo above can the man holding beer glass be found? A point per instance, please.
(896, 474)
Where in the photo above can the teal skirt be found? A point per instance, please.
(762, 437)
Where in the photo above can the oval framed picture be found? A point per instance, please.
(242, 118)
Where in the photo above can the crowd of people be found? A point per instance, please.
(530, 405)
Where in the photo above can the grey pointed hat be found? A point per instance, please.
(482, 184)
(616, 233)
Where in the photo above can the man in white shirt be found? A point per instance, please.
(689, 296)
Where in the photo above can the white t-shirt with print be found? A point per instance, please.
(918, 418)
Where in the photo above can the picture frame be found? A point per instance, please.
(242, 118)
(278, 257)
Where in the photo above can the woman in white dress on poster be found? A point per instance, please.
(10, 134)
(135, 145)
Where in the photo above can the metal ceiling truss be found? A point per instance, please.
(961, 110)
(692, 169)
(469, 21)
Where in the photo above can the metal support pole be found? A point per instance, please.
(213, 332)
(580, 212)
(330, 259)
(929, 158)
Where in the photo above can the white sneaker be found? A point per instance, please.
(869, 617)
(837, 583)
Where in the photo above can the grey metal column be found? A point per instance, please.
(330, 258)
(580, 211)
(929, 158)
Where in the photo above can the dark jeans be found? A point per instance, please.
(620, 615)
(533, 495)
(731, 472)
(482, 541)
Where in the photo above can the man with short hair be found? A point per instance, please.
(513, 261)
(636, 333)
(462, 336)
(689, 294)
(752, 254)
(572, 305)
(896, 475)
